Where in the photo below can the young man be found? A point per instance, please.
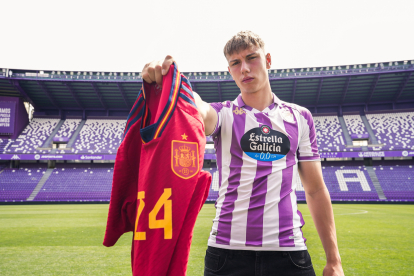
(261, 144)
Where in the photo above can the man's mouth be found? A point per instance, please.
(247, 80)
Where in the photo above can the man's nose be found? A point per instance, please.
(244, 67)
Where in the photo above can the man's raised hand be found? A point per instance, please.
(154, 70)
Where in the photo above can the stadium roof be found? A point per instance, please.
(390, 83)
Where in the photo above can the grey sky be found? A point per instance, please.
(124, 35)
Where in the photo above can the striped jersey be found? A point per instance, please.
(257, 159)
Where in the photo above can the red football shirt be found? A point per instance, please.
(171, 186)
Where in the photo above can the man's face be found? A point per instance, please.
(249, 69)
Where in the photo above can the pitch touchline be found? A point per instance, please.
(360, 213)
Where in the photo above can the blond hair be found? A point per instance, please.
(241, 41)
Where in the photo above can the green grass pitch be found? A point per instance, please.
(67, 240)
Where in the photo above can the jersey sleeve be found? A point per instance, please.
(307, 147)
(218, 107)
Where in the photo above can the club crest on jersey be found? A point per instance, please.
(265, 144)
(184, 158)
(287, 115)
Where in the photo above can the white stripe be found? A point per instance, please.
(244, 191)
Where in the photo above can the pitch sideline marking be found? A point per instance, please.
(346, 214)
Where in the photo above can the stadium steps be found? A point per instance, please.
(39, 185)
(75, 134)
(348, 139)
(371, 134)
(375, 181)
(48, 141)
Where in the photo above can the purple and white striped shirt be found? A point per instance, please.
(257, 156)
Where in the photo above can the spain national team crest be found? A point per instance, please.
(184, 158)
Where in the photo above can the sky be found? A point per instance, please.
(122, 36)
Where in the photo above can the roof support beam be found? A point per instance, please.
(294, 91)
(16, 85)
(46, 91)
(402, 86)
(219, 92)
(72, 92)
(122, 91)
(374, 84)
(348, 80)
(98, 93)
(319, 91)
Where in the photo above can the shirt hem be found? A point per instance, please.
(257, 248)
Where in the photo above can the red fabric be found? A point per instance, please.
(168, 165)
(123, 202)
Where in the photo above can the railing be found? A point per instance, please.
(279, 75)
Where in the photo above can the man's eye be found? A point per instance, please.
(235, 63)
(252, 57)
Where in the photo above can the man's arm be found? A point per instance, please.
(319, 203)
(154, 71)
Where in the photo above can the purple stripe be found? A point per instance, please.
(254, 231)
(285, 204)
(302, 221)
(236, 163)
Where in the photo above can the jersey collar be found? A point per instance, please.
(276, 102)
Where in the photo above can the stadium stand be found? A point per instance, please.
(78, 182)
(99, 136)
(17, 184)
(214, 187)
(33, 136)
(68, 128)
(346, 181)
(396, 178)
(393, 130)
(354, 124)
(4, 143)
(329, 133)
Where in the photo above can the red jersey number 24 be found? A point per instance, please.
(165, 223)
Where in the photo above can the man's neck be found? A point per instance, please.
(258, 100)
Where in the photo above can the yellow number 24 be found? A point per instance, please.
(165, 223)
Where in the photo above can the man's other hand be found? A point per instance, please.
(154, 70)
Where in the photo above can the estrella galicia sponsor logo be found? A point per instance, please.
(37, 156)
(265, 144)
(405, 153)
